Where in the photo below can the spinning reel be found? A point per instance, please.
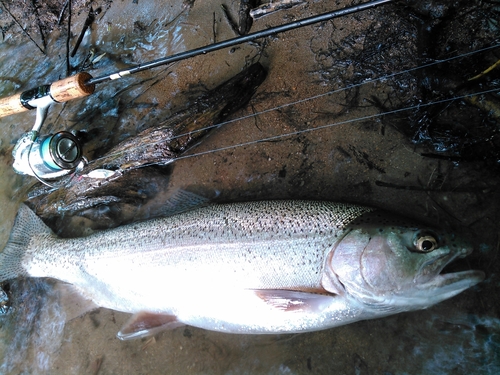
(49, 157)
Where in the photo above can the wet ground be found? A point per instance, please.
(313, 130)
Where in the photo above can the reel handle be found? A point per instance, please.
(60, 91)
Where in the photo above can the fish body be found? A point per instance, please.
(255, 267)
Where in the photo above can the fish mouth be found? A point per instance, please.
(454, 283)
(444, 284)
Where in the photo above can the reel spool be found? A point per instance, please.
(47, 157)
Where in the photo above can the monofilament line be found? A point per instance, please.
(363, 118)
(336, 91)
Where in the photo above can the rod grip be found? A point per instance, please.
(11, 105)
(71, 88)
(61, 91)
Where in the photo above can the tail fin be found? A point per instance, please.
(26, 226)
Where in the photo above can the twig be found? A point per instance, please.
(22, 28)
(68, 66)
(230, 20)
(88, 21)
(61, 14)
(495, 65)
(96, 364)
(214, 28)
(40, 28)
(465, 189)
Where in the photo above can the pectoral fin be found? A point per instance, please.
(291, 300)
(145, 324)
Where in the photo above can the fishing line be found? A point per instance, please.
(363, 118)
(336, 91)
(321, 127)
(329, 93)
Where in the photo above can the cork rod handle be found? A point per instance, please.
(61, 91)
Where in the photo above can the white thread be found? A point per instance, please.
(278, 136)
(119, 74)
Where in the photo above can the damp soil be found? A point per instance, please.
(347, 113)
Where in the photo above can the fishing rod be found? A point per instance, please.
(53, 156)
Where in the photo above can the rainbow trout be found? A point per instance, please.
(257, 267)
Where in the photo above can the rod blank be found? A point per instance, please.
(240, 40)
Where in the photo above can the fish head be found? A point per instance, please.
(397, 265)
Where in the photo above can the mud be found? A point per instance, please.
(346, 113)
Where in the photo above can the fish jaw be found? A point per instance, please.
(433, 286)
(444, 286)
(440, 288)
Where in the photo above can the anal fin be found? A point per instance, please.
(145, 324)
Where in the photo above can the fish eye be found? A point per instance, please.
(426, 244)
